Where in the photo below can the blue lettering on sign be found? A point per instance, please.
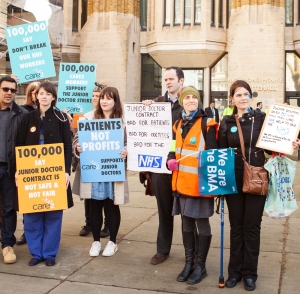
(149, 161)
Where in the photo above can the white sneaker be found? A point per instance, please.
(95, 249)
(110, 249)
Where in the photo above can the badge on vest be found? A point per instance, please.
(233, 129)
(32, 129)
(193, 140)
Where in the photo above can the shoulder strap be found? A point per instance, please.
(204, 123)
(175, 126)
(240, 135)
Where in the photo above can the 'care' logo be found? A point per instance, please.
(93, 165)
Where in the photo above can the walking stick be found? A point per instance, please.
(221, 278)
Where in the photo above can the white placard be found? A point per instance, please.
(149, 136)
(280, 128)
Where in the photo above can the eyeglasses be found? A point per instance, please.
(6, 89)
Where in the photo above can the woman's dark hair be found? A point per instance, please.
(49, 88)
(117, 110)
(238, 84)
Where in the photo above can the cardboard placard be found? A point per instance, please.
(41, 178)
(149, 136)
(281, 127)
(101, 141)
(30, 51)
(75, 87)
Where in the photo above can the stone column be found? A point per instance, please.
(256, 47)
(110, 38)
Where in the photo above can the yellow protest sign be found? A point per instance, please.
(41, 178)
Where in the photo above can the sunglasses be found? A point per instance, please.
(5, 89)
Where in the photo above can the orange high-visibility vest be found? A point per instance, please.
(185, 179)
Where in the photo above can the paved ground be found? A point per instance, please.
(129, 271)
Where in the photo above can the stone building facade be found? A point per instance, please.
(214, 41)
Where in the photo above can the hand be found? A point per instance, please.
(123, 153)
(14, 77)
(147, 102)
(296, 143)
(78, 148)
(16, 178)
(172, 164)
(67, 180)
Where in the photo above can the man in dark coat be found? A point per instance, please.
(10, 119)
(212, 112)
(162, 183)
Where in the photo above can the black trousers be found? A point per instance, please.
(245, 216)
(87, 209)
(162, 186)
(96, 218)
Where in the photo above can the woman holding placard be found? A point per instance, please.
(46, 125)
(195, 210)
(106, 193)
(245, 209)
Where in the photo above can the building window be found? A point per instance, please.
(177, 12)
(219, 84)
(228, 11)
(194, 77)
(75, 19)
(298, 11)
(197, 11)
(219, 75)
(79, 14)
(151, 78)
(220, 13)
(167, 12)
(187, 11)
(289, 12)
(212, 18)
(292, 82)
(143, 15)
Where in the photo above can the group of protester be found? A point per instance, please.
(176, 193)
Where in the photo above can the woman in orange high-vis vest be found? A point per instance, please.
(195, 210)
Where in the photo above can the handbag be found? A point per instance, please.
(255, 178)
(145, 179)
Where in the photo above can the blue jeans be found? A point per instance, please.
(42, 232)
(9, 216)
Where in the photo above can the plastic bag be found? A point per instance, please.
(281, 201)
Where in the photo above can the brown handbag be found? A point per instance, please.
(255, 178)
(145, 179)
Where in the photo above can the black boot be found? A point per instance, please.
(189, 247)
(199, 272)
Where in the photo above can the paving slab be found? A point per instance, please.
(293, 237)
(79, 288)
(290, 279)
(136, 272)
(22, 284)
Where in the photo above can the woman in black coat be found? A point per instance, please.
(245, 210)
(46, 125)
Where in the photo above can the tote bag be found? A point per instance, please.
(281, 201)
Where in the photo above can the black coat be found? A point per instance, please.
(176, 109)
(16, 115)
(210, 115)
(229, 137)
(29, 108)
(55, 131)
